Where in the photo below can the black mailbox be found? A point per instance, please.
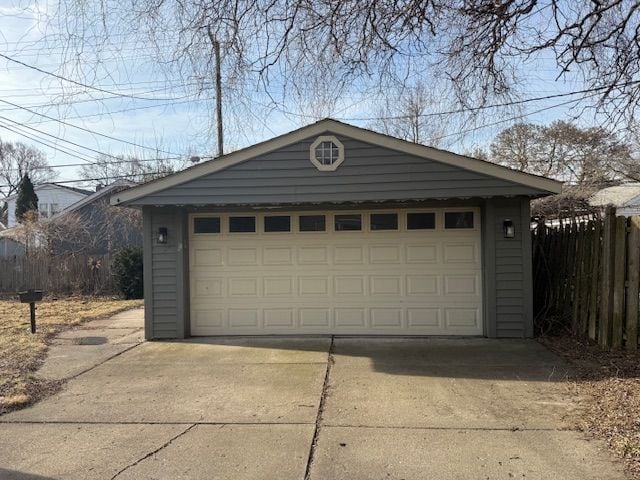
(31, 297)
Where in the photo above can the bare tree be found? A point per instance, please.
(107, 169)
(578, 156)
(479, 46)
(403, 114)
(97, 229)
(18, 160)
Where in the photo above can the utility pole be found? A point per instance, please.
(216, 52)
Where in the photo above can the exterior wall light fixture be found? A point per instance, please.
(509, 228)
(162, 235)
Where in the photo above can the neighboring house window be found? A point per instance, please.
(327, 153)
(44, 210)
(55, 208)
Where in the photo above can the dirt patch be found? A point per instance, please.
(22, 353)
(609, 383)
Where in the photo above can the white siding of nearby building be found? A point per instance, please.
(47, 195)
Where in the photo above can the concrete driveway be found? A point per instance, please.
(309, 408)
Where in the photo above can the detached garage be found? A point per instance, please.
(333, 229)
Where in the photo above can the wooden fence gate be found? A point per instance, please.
(587, 275)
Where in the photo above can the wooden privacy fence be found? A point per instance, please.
(58, 275)
(587, 276)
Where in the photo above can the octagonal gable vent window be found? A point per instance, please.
(327, 153)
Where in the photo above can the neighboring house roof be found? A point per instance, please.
(56, 185)
(624, 195)
(544, 185)
(106, 190)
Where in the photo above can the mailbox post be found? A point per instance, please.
(31, 297)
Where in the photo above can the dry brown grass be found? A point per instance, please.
(610, 381)
(21, 352)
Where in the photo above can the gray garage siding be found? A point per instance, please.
(369, 173)
(510, 302)
(164, 293)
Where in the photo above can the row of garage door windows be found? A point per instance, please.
(342, 222)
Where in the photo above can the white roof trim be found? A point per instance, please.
(339, 128)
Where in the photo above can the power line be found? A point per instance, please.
(72, 143)
(74, 82)
(46, 143)
(87, 129)
(517, 117)
(495, 105)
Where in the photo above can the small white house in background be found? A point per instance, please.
(625, 197)
(52, 199)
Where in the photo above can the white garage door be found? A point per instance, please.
(397, 272)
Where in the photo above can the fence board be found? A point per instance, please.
(62, 274)
(587, 279)
(619, 276)
(631, 317)
(595, 279)
(606, 297)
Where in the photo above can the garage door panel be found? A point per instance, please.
(350, 318)
(460, 253)
(314, 318)
(244, 318)
(348, 255)
(386, 318)
(461, 284)
(357, 282)
(206, 256)
(419, 285)
(279, 318)
(243, 287)
(278, 286)
(386, 285)
(423, 317)
(277, 255)
(461, 317)
(313, 255)
(208, 287)
(384, 254)
(422, 253)
(349, 285)
(242, 256)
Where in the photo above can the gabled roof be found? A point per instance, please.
(619, 196)
(55, 185)
(543, 184)
(106, 190)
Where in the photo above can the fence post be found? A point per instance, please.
(606, 299)
(619, 277)
(633, 266)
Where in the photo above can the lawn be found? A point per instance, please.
(21, 352)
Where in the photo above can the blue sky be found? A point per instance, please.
(174, 120)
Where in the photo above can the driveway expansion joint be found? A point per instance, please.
(76, 375)
(169, 442)
(323, 396)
